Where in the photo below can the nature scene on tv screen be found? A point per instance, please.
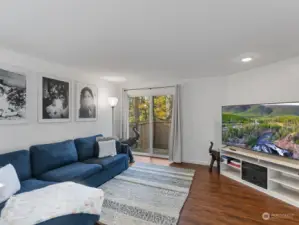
(267, 128)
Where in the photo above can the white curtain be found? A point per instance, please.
(175, 137)
(124, 115)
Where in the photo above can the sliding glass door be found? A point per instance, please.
(151, 116)
(139, 120)
(162, 113)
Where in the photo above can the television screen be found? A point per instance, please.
(267, 128)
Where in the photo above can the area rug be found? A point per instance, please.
(146, 194)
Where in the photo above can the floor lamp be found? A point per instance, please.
(113, 102)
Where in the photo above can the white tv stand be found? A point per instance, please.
(283, 174)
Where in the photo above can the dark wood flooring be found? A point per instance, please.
(218, 200)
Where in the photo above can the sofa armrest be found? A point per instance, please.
(124, 149)
(74, 219)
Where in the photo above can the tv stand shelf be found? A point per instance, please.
(282, 173)
(291, 183)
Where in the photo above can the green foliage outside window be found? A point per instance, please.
(139, 108)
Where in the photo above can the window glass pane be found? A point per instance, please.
(162, 113)
(139, 117)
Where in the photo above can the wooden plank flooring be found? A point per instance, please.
(217, 200)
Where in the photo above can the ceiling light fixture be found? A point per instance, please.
(247, 59)
(114, 78)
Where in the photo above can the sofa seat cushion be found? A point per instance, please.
(32, 184)
(74, 172)
(108, 162)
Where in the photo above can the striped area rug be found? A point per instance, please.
(146, 194)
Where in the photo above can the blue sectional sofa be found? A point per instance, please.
(71, 160)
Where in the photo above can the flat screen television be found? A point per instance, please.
(267, 128)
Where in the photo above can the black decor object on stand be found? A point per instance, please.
(132, 141)
(215, 157)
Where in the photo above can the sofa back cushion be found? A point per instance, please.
(51, 156)
(86, 147)
(20, 161)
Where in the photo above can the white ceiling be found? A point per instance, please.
(152, 38)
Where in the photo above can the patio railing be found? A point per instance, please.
(161, 130)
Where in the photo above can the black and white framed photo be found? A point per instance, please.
(86, 102)
(13, 97)
(54, 100)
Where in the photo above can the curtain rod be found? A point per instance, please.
(133, 89)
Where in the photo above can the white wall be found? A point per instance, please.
(201, 117)
(277, 82)
(202, 100)
(15, 137)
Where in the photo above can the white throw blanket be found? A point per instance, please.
(56, 200)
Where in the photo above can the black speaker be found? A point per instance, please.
(254, 174)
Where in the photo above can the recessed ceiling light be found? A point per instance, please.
(247, 59)
(114, 78)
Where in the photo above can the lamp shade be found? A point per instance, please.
(113, 101)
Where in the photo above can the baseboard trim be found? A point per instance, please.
(203, 163)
